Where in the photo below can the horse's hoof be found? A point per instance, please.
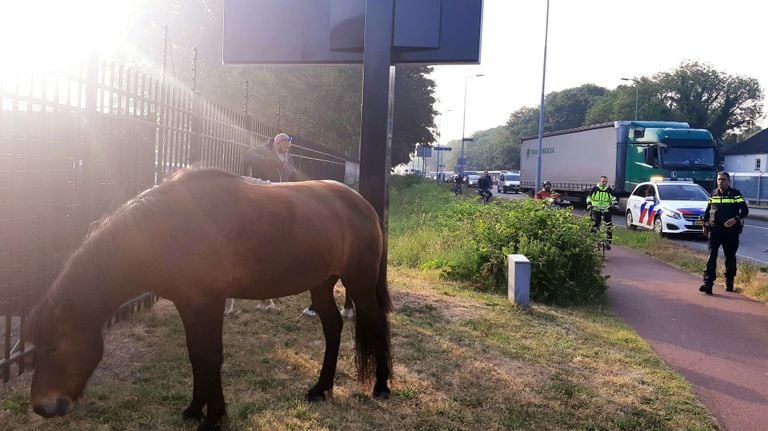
(382, 393)
(209, 426)
(314, 397)
(192, 414)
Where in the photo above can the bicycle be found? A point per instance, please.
(604, 239)
(456, 188)
(485, 195)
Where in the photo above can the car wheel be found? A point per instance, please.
(657, 226)
(629, 219)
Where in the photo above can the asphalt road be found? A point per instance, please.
(753, 244)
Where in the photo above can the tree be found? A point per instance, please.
(710, 99)
(619, 104)
(414, 117)
(568, 108)
(311, 100)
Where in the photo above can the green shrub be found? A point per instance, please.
(431, 228)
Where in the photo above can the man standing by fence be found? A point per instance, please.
(723, 222)
(270, 161)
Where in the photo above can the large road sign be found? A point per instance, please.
(331, 31)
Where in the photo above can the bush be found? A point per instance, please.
(565, 265)
(468, 241)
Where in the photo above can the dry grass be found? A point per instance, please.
(463, 361)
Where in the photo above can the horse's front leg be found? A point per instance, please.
(203, 326)
(325, 306)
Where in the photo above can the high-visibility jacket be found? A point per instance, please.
(601, 197)
(725, 205)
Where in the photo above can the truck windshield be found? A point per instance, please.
(690, 158)
(682, 192)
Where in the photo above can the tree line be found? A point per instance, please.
(729, 106)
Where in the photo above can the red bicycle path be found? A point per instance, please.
(719, 343)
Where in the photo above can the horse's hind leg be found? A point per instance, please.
(325, 306)
(203, 326)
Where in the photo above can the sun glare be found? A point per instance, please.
(49, 33)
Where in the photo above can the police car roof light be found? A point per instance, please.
(657, 179)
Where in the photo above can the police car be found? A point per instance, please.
(667, 206)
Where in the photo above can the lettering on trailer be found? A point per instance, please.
(534, 151)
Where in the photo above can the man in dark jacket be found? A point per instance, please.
(272, 160)
(723, 222)
(484, 185)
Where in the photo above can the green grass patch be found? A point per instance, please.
(430, 228)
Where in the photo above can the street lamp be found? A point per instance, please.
(637, 93)
(541, 106)
(464, 121)
(439, 138)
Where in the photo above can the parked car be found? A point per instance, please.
(472, 180)
(508, 181)
(667, 206)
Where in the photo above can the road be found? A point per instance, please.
(754, 238)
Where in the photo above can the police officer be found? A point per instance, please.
(600, 201)
(723, 222)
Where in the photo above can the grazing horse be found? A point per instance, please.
(197, 239)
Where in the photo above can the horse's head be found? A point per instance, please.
(66, 353)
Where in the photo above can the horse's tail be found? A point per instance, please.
(372, 344)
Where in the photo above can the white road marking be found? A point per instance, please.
(756, 227)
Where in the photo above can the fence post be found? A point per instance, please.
(88, 165)
(195, 126)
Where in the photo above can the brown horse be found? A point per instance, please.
(197, 239)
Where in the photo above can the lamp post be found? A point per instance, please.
(464, 121)
(541, 107)
(637, 92)
(440, 137)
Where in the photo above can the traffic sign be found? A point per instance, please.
(442, 148)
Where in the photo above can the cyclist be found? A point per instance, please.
(457, 181)
(547, 195)
(600, 201)
(484, 185)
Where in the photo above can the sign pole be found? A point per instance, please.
(377, 107)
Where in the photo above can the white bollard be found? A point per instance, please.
(519, 280)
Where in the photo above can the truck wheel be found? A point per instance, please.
(630, 226)
(657, 226)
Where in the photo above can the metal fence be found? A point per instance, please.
(76, 143)
(752, 185)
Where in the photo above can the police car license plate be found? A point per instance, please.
(699, 222)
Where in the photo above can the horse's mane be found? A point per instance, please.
(100, 244)
(89, 263)
(153, 201)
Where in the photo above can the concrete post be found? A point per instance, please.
(519, 280)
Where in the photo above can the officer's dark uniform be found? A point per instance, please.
(722, 207)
